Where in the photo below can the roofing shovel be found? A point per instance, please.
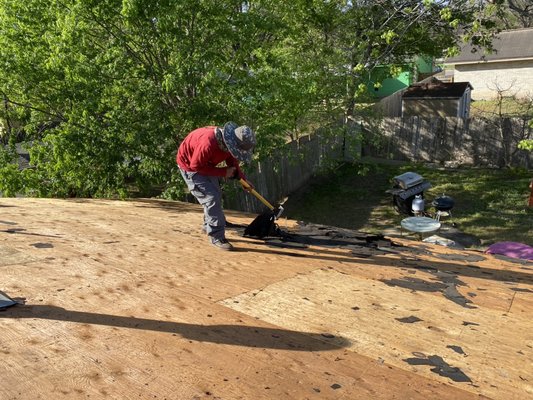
(264, 224)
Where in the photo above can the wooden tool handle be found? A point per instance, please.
(246, 185)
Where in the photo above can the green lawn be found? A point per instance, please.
(489, 204)
(507, 107)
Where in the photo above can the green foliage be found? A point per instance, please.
(347, 41)
(10, 183)
(526, 144)
(516, 14)
(111, 87)
(104, 91)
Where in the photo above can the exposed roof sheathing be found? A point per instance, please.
(126, 299)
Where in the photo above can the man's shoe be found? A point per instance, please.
(222, 244)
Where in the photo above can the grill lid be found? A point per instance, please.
(407, 180)
(443, 203)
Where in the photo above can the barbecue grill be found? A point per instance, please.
(443, 206)
(408, 187)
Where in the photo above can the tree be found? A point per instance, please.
(360, 35)
(103, 91)
(519, 14)
(347, 40)
(109, 88)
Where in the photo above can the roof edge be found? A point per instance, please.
(488, 61)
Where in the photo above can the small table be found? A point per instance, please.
(420, 225)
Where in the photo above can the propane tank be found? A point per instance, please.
(418, 205)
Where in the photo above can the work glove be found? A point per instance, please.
(232, 173)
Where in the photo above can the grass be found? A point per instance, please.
(489, 204)
(508, 107)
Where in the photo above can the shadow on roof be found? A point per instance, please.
(236, 335)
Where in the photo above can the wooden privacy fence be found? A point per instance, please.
(447, 141)
(282, 174)
(454, 141)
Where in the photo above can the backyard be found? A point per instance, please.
(490, 204)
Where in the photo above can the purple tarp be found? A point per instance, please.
(511, 249)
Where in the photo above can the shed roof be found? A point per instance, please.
(436, 89)
(509, 45)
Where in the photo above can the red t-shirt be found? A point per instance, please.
(200, 152)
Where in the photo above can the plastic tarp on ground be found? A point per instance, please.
(511, 249)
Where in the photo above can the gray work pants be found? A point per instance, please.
(207, 191)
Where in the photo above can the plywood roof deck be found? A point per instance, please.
(127, 300)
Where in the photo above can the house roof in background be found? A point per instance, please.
(509, 45)
(436, 89)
